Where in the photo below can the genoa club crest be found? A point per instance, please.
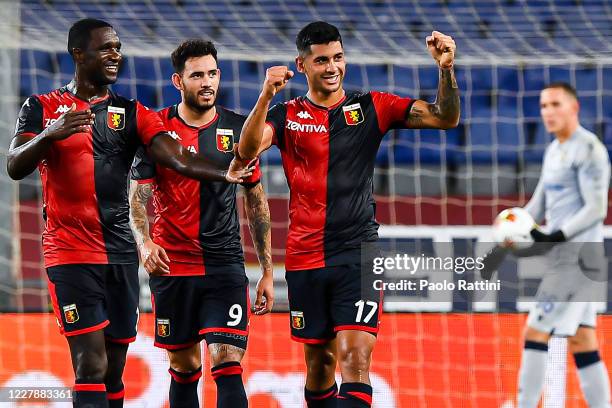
(297, 320)
(225, 140)
(353, 115)
(163, 327)
(116, 118)
(71, 314)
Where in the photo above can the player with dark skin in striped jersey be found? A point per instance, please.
(83, 138)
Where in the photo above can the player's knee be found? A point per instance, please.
(585, 339)
(575, 341)
(321, 363)
(91, 368)
(354, 358)
(224, 353)
(185, 360)
(538, 336)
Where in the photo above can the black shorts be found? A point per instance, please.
(90, 297)
(326, 300)
(191, 308)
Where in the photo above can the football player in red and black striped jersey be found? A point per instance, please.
(83, 138)
(199, 289)
(328, 141)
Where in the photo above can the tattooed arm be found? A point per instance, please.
(153, 256)
(258, 214)
(444, 112)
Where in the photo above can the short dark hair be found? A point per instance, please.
(80, 32)
(565, 86)
(318, 32)
(191, 49)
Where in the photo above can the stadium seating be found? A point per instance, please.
(500, 26)
(500, 107)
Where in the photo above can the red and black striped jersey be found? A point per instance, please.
(84, 177)
(328, 155)
(196, 222)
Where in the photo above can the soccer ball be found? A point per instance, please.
(513, 225)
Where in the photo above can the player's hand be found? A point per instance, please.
(70, 123)
(239, 169)
(442, 48)
(492, 260)
(276, 79)
(154, 258)
(554, 237)
(265, 294)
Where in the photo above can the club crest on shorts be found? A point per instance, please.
(163, 327)
(116, 118)
(225, 140)
(297, 320)
(353, 115)
(71, 314)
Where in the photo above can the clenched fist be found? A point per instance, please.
(276, 79)
(442, 48)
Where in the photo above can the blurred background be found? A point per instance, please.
(431, 186)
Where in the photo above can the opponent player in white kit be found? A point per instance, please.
(572, 197)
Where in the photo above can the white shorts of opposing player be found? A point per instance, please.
(575, 278)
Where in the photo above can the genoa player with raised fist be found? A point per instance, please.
(328, 141)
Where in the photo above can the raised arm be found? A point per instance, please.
(445, 111)
(154, 258)
(256, 136)
(29, 146)
(258, 214)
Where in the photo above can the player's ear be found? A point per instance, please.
(299, 64)
(78, 55)
(576, 104)
(177, 81)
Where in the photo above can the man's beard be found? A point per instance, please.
(191, 100)
(99, 80)
(97, 76)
